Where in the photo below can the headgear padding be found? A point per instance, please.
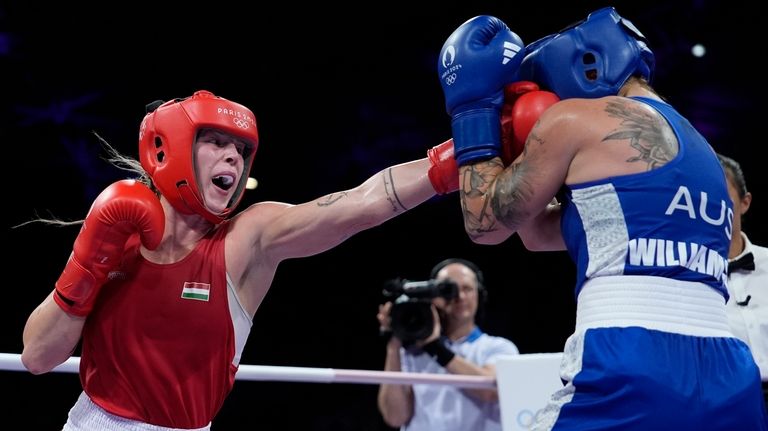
(166, 147)
(590, 59)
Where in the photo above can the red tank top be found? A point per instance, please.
(159, 345)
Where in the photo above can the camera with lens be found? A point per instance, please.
(411, 313)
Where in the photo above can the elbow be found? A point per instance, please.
(35, 364)
(485, 238)
(488, 396)
(394, 420)
(485, 396)
(40, 361)
(395, 413)
(486, 234)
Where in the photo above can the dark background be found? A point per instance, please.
(339, 94)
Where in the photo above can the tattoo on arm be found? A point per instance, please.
(331, 199)
(477, 180)
(648, 134)
(504, 193)
(389, 189)
(510, 193)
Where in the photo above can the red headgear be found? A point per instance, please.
(166, 140)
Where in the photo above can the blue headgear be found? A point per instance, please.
(590, 59)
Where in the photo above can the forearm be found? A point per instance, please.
(455, 364)
(398, 188)
(385, 195)
(459, 365)
(476, 191)
(395, 401)
(319, 225)
(50, 337)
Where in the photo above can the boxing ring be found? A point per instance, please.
(524, 381)
(12, 362)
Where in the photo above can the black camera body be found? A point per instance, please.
(411, 313)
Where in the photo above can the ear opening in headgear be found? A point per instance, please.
(591, 58)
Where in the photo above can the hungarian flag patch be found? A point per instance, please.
(197, 291)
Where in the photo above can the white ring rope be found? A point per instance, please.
(12, 362)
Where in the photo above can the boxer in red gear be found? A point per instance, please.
(163, 285)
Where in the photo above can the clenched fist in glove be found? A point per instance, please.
(476, 61)
(123, 209)
(523, 105)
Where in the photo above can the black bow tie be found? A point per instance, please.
(746, 263)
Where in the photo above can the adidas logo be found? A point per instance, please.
(510, 50)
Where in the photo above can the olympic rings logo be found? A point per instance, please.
(241, 123)
(450, 79)
(526, 418)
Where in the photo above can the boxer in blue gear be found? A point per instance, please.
(647, 219)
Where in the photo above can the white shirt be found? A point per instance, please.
(445, 407)
(750, 322)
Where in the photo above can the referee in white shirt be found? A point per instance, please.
(748, 276)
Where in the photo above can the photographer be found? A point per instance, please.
(454, 345)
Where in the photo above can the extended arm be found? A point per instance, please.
(289, 231)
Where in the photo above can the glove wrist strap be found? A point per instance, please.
(476, 135)
(76, 289)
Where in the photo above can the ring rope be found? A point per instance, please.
(12, 362)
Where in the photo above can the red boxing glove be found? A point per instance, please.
(523, 105)
(444, 172)
(123, 209)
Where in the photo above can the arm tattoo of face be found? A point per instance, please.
(389, 189)
(476, 180)
(648, 134)
(331, 199)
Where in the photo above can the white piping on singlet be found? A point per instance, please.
(241, 321)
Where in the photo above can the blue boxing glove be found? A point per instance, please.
(476, 61)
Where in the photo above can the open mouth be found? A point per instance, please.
(224, 182)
